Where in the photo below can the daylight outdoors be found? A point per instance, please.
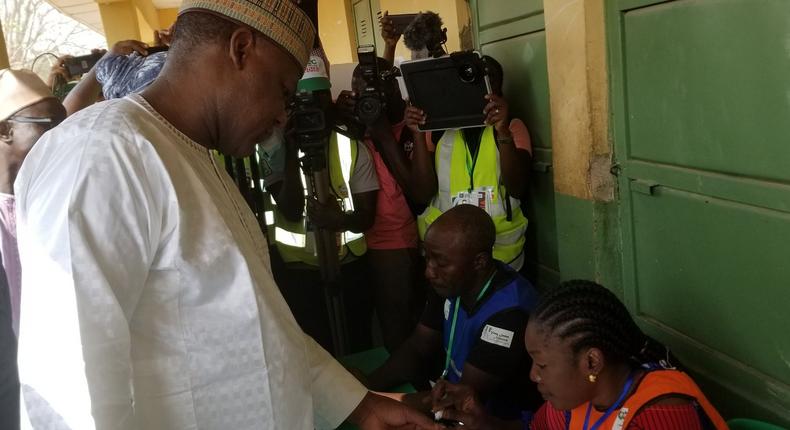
(33, 29)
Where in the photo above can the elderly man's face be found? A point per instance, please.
(26, 126)
(260, 97)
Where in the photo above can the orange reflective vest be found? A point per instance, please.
(654, 384)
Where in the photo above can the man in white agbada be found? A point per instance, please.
(148, 297)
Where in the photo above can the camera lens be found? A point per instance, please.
(467, 73)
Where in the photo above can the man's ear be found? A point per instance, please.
(6, 132)
(241, 46)
(481, 260)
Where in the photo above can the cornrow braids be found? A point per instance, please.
(593, 317)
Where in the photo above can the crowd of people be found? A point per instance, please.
(140, 291)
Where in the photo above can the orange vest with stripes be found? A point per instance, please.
(654, 384)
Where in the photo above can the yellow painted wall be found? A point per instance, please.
(576, 54)
(119, 20)
(145, 29)
(3, 52)
(147, 19)
(335, 25)
(167, 17)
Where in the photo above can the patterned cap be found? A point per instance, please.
(282, 21)
(20, 89)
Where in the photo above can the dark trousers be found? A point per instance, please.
(398, 293)
(303, 289)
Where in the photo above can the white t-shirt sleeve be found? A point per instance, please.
(336, 392)
(89, 214)
(363, 178)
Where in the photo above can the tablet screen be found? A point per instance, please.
(451, 90)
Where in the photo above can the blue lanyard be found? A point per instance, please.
(626, 388)
(480, 295)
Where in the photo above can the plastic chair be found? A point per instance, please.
(747, 424)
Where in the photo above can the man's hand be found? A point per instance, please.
(388, 32)
(380, 413)
(497, 114)
(126, 47)
(163, 37)
(414, 118)
(59, 72)
(457, 402)
(325, 215)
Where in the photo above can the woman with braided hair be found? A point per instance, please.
(596, 370)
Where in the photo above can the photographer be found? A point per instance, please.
(354, 186)
(392, 240)
(125, 69)
(424, 36)
(493, 173)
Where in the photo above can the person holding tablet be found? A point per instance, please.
(486, 166)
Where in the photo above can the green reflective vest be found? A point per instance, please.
(458, 172)
(292, 239)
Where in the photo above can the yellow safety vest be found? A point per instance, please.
(453, 165)
(292, 239)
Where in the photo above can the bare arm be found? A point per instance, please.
(405, 171)
(407, 363)
(390, 37)
(515, 162)
(423, 169)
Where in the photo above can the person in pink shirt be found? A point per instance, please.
(392, 241)
(27, 110)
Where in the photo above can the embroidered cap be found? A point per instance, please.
(282, 21)
(20, 89)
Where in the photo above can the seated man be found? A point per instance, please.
(474, 322)
(27, 110)
(354, 184)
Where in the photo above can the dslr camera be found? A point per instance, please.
(371, 101)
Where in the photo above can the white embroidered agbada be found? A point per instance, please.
(148, 298)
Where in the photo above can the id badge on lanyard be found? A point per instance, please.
(480, 197)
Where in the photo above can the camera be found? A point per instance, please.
(77, 66)
(308, 123)
(370, 101)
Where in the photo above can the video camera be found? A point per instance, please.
(308, 122)
(371, 101)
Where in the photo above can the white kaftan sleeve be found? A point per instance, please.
(336, 392)
(89, 217)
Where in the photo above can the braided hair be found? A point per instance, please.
(593, 317)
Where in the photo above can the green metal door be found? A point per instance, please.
(514, 33)
(701, 105)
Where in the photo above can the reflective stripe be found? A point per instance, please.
(269, 216)
(344, 154)
(289, 238)
(444, 158)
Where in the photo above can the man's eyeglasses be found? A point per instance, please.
(47, 122)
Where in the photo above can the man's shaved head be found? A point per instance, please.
(458, 250)
(470, 225)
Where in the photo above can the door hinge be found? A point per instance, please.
(541, 167)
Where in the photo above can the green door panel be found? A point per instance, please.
(500, 12)
(699, 273)
(700, 100)
(712, 92)
(513, 33)
(523, 59)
